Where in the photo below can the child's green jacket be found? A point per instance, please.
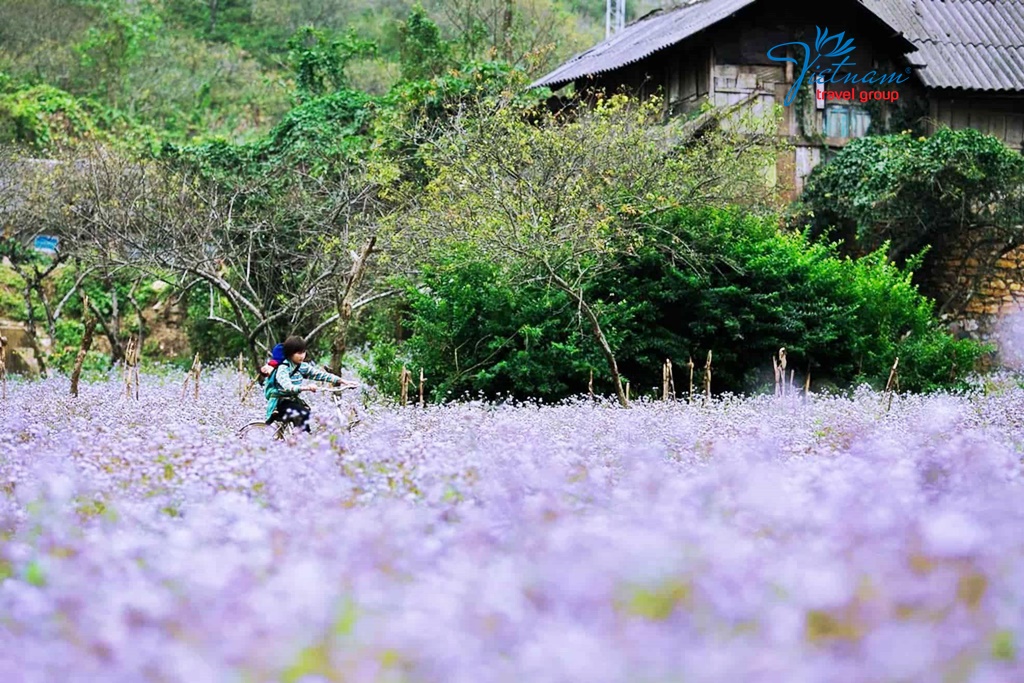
(285, 380)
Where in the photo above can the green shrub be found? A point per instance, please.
(845, 320)
(473, 333)
(381, 367)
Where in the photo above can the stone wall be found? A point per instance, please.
(980, 287)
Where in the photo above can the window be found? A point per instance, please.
(846, 120)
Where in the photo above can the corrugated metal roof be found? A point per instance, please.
(655, 31)
(965, 44)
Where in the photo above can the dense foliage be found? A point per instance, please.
(759, 289)
(536, 246)
(177, 70)
(912, 193)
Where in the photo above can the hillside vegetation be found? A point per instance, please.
(377, 175)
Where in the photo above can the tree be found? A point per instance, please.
(268, 273)
(526, 33)
(954, 188)
(556, 198)
(319, 61)
(423, 53)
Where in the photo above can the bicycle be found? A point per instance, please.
(283, 428)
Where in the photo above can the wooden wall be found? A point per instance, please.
(1002, 117)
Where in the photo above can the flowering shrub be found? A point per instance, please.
(745, 540)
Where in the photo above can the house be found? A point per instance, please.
(842, 69)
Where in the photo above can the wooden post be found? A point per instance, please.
(781, 363)
(404, 379)
(807, 383)
(707, 378)
(893, 383)
(691, 379)
(780, 372)
(90, 328)
(193, 374)
(590, 385)
(627, 393)
(422, 403)
(241, 377)
(668, 389)
(131, 368)
(199, 372)
(3, 367)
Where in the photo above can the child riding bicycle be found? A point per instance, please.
(284, 385)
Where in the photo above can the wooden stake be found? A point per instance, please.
(781, 364)
(241, 378)
(590, 385)
(193, 375)
(807, 383)
(668, 386)
(627, 394)
(404, 379)
(422, 403)
(131, 368)
(199, 371)
(691, 379)
(707, 378)
(894, 374)
(3, 368)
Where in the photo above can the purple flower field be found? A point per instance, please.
(748, 540)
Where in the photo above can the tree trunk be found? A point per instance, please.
(602, 341)
(345, 302)
(90, 327)
(30, 327)
(506, 30)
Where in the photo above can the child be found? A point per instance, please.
(285, 384)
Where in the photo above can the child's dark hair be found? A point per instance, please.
(293, 345)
